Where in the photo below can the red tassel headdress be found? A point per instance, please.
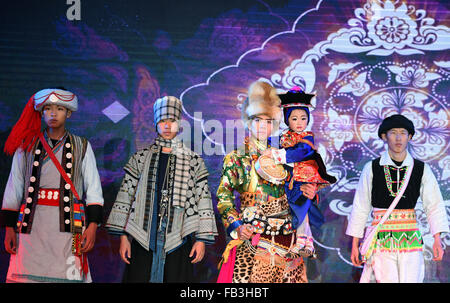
(26, 131)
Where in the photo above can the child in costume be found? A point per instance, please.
(48, 229)
(306, 167)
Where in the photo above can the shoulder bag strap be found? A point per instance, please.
(367, 245)
(58, 165)
(398, 196)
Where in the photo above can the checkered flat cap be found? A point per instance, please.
(167, 107)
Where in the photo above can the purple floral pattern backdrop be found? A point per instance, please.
(364, 60)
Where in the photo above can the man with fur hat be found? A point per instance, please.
(261, 230)
(390, 186)
(163, 211)
(49, 229)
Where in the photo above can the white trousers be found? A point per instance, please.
(394, 267)
(304, 228)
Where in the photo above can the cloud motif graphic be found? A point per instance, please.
(225, 88)
(241, 96)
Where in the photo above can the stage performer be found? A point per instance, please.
(305, 165)
(163, 211)
(389, 186)
(49, 228)
(261, 230)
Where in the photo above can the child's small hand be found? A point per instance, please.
(309, 190)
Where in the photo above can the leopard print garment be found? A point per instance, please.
(249, 268)
(259, 268)
(272, 207)
(264, 271)
(243, 265)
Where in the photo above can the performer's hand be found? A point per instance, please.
(125, 249)
(267, 152)
(245, 231)
(438, 252)
(355, 252)
(309, 190)
(199, 249)
(10, 240)
(88, 238)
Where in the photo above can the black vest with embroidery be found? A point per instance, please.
(71, 210)
(381, 197)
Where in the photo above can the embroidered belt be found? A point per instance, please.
(398, 216)
(399, 233)
(48, 196)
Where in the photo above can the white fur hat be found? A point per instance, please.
(262, 99)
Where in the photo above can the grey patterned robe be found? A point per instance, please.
(190, 205)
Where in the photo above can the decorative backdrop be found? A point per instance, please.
(364, 60)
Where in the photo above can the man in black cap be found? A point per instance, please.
(395, 247)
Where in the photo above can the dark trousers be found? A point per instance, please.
(177, 269)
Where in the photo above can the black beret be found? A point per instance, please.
(396, 121)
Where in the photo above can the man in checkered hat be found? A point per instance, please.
(49, 230)
(163, 211)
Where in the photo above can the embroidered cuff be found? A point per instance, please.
(9, 217)
(94, 213)
(229, 216)
(233, 226)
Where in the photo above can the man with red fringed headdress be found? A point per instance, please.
(49, 229)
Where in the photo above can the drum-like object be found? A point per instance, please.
(269, 170)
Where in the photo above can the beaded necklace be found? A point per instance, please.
(387, 176)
